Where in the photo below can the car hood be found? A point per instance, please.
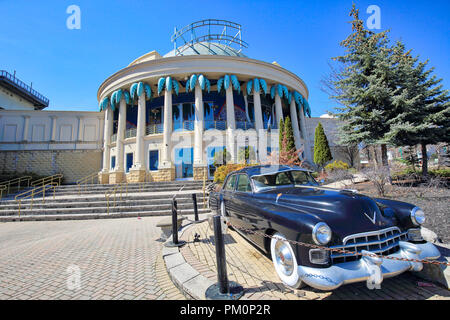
(346, 211)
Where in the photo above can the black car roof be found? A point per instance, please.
(268, 169)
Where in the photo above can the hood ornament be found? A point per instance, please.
(371, 219)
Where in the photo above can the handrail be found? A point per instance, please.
(35, 191)
(84, 181)
(2, 188)
(14, 181)
(47, 180)
(117, 189)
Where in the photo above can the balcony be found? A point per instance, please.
(187, 125)
(218, 125)
(155, 128)
(245, 125)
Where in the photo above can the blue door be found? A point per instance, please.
(184, 159)
(129, 161)
(210, 153)
(153, 160)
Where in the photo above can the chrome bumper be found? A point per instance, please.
(370, 269)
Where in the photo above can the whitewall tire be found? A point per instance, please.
(284, 261)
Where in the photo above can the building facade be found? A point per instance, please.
(167, 116)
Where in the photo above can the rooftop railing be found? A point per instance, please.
(24, 86)
(215, 124)
(245, 125)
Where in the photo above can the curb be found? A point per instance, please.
(188, 280)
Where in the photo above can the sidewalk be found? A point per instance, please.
(193, 268)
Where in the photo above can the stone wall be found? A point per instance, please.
(73, 164)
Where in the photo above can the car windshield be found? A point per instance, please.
(282, 179)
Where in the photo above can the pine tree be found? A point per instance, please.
(365, 86)
(280, 135)
(289, 134)
(422, 108)
(322, 152)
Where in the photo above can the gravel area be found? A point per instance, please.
(435, 203)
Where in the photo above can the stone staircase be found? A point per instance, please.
(72, 203)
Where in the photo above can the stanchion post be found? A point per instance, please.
(194, 200)
(174, 242)
(223, 289)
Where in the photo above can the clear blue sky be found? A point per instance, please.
(68, 66)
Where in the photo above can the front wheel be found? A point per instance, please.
(284, 261)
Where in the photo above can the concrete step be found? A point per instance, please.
(44, 217)
(97, 202)
(101, 209)
(59, 192)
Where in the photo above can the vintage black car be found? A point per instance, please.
(287, 203)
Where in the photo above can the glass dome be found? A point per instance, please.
(205, 48)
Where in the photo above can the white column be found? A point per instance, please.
(259, 126)
(167, 114)
(80, 129)
(109, 115)
(26, 120)
(304, 136)
(140, 133)
(231, 124)
(53, 128)
(278, 109)
(198, 126)
(121, 127)
(294, 121)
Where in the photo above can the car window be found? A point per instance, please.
(229, 186)
(271, 180)
(303, 177)
(243, 184)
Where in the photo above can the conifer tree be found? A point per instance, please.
(289, 134)
(322, 152)
(280, 135)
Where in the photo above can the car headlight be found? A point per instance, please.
(321, 233)
(417, 216)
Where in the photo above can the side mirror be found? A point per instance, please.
(322, 181)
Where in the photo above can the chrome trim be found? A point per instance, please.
(370, 233)
(317, 226)
(413, 216)
(361, 270)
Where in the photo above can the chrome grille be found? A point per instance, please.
(382, 242)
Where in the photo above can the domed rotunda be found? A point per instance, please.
(170, 117)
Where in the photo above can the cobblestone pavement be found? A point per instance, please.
(116, 259)
(255, 272)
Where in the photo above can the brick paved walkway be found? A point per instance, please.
(117, 259)
(255, 272)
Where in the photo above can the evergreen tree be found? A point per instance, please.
(365, 87)
(322, 152)
(422, 108)
(289, 134)
(280, 135)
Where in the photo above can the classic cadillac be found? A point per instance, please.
(286, 203)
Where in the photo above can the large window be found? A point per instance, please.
(113, 162)
(243, 183)
(153, 160)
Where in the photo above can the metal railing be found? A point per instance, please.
(215, 124)
(155, 128)
(23, 85)
(130, 133)
(2, 189)
(187, 125)
(48, 180)
(8, 184)
(245, 125)
(116, 191)
(114, 137)
(85, 181)
(34, 192)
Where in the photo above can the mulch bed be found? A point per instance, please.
(435, 203)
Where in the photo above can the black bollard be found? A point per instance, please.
(194, 200)
(223, 289)
(174, 242)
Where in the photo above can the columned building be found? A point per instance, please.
(168, 117)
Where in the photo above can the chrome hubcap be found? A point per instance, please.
(284, 258)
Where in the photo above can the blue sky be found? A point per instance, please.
(68, 66)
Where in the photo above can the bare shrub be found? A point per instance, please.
(339, 175)
(380, 178)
